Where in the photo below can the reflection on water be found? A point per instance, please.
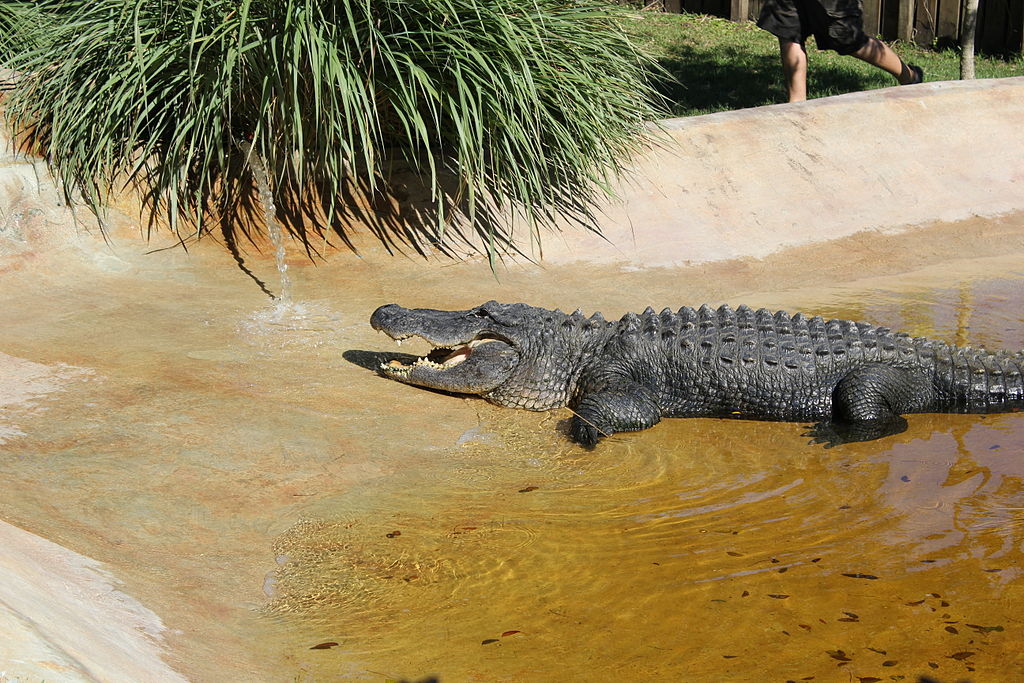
(294, 517)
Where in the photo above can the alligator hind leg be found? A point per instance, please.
(867, 404)
(624, 407)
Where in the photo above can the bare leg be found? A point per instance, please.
(794, 69)
(877, 53)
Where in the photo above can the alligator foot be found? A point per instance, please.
(830, 434)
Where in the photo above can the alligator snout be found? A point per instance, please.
(380, 318)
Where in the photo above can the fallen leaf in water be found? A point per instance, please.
(861, 576)
(804, 627)
(783, 570)
(733, 553)
(850, 619)
(985, 629)
(868, 679)
(952, 630)
(778, 596)
(875, 649)
(933, 665)
(488, 641)
(915, 603)
(509, 633)
(324, 646)
(890, 662)
(838, 654)
(729, 656)
(851, 615)
(744, 594)
(992, 570)
(816, 559)
(961, 656)
(528, 489)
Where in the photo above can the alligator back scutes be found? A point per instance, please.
(965, 378)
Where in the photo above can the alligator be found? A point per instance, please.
(854, 380)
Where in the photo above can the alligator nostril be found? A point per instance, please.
(381, 315)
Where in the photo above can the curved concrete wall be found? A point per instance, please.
(750, 182)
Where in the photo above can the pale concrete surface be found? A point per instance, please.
(63, 619)
(751, 182)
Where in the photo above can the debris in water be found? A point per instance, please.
(488, 641)
(961, 656)
(393, 534)
(839, 655)
(324, 646)
(509, 633)
(778, 596)
(985, 629)
(861, 576)
(528, 489)
(890, 662)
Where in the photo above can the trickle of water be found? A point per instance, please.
(260, 175)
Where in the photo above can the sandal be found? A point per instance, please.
(918, 74)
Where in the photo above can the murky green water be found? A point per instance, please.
(291, 516)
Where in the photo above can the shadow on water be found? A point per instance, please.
(372, 360)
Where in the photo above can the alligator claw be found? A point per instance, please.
(584, 433)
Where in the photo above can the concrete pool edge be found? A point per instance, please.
(738, 184)
(63, 618)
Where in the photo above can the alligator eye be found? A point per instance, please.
(480, 313)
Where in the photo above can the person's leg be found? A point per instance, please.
(794, 69)
(877, 53)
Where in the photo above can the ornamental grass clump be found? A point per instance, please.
(495, 107)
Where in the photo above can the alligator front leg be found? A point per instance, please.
(622, 407)
(867, 404)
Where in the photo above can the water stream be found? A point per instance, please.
(266, 195)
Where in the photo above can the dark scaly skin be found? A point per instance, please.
(854, 379)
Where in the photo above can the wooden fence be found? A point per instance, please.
(926, 22)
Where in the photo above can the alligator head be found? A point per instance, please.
(510, 354)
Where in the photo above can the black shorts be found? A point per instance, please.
(836, 24)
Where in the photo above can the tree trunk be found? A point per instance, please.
(967, 39)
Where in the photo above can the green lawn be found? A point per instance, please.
(720, 65)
